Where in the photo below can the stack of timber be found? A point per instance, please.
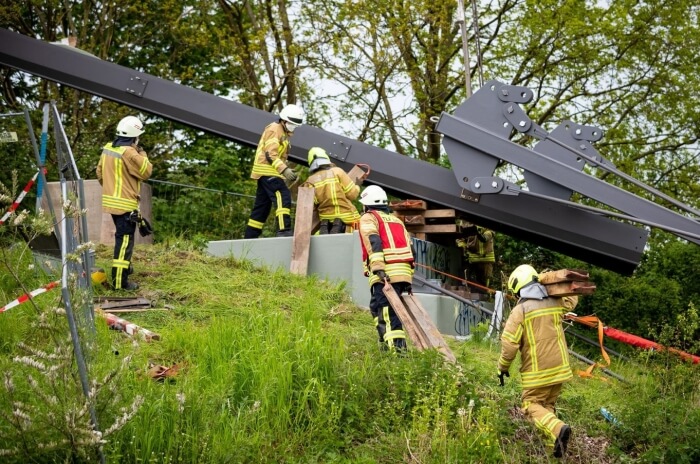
(421, 221)
(567, 282)
(417, 324)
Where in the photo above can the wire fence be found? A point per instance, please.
(189, 211)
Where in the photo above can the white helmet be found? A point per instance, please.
(373, 195)
(130, 126)
(293, 115)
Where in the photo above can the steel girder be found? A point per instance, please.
(477, 137)
(564, 228)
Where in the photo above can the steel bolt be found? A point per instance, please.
(494, 184)
(477, 185)
(521, 123)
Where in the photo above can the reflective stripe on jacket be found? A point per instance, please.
(271, 154)
(534, 327)
(120, 172)
(479, 251)
(395, 256)
(333, 194)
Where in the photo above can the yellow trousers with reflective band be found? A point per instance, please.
(539, 407)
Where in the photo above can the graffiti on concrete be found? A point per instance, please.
(436, 258)
(467, 319)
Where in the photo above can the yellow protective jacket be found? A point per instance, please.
(386, 246)
(334, 192)
(120, 172)
(480, 247)
(534, 328)
(272, 151)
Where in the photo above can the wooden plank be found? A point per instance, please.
(414, 333)
(570, 288)
(564, 275)
(409, 204)
(433, 228)
(431, 332)
(439, 213)
(303, 224)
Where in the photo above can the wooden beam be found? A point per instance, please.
(303, 224)
(417, 324)
(439, 213)
(420, 316)
(433, 228)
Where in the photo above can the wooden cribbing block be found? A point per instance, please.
(409, 204)
(303, 224)
(564, 275)
(570, 288)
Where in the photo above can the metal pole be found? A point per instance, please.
(465, 49)
(475, 14)
(42, 154)
(75, 337)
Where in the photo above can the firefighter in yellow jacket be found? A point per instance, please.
(271, 171)
(387, 256)
(334, 192)
(534, 328)
(479, 250)
(123, 166)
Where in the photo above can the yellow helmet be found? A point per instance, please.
(317, 152)
(522, 276)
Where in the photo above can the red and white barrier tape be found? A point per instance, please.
(29, 295)
(117, 323)
(19, 199)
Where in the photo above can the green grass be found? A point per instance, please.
(279, 368)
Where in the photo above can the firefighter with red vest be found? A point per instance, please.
(122, 167)
(387, 256)
(534, 328)
(271, 171)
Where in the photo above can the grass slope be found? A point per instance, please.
(278, 368)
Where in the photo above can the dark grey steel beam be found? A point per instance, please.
(574, 232)
(562, 174)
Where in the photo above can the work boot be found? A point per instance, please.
(562, 441)
(338, 226)
(324, 227)
(130, 286)
(285, 233)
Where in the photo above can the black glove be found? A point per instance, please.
(145, 228)
(135, 216)
(290, 175)
(382, 276)
(500, 376)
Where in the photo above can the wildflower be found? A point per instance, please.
(29, 362)
(180, 402)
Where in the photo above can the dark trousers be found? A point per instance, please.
(123, 249)
(271, 191)
(389, 327)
